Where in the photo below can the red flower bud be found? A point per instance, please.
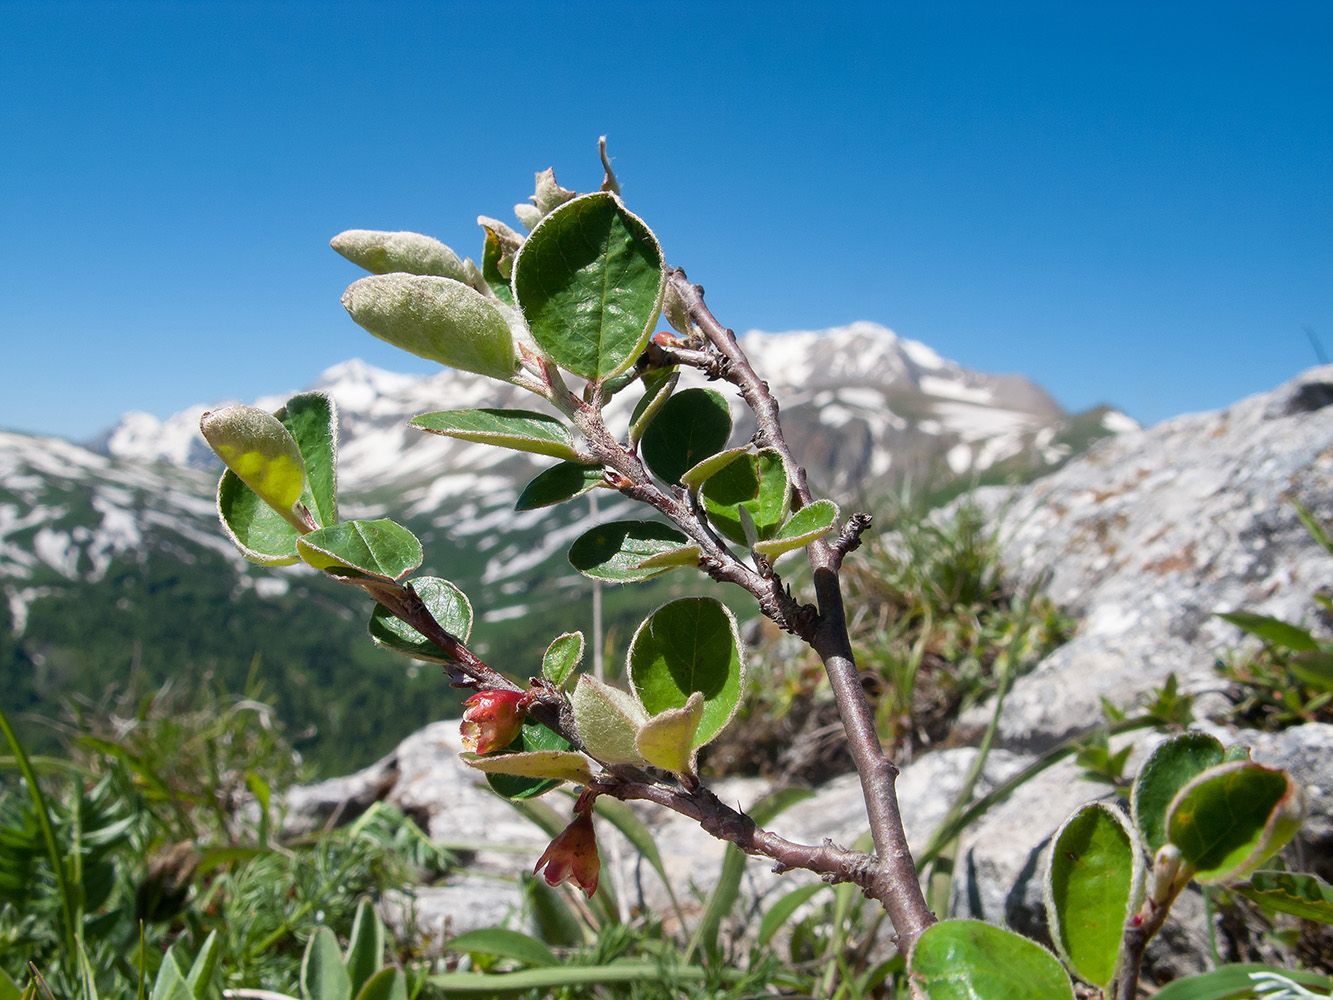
(493, 719)
(572, 856)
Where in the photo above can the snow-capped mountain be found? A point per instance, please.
(111, 556)
(872, 407)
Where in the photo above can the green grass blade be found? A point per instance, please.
(68, 910)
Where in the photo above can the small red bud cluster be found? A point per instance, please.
(493, 719)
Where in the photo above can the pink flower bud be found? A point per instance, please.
(493, 719)
(572, 856)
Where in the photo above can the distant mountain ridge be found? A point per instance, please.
(873, 407)
(112, 560)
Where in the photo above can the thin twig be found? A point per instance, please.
(895, 883)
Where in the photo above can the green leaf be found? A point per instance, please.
(1233, 982)
(589, 279)
(365, 948)
(439, 319)
(559, 483)
(1313, 668)
(411, 253)
(657, 388)
(692, 425)
(689, 645)
(521, 430)
(1171, 766)
(200, 977)
(312, 420)
(376, 548)
(504, 943)
(562, 656)
(387, 984)
(170, 982)
(1272, 631)
(696, 475)
(759, 484)
(809, 523)
(1231, 818)
(322, 974)
(971, 960)
(535, 738)
(553, 765)
(1093, 884)
(667, 739)
(615, 551)
(497, 258)
(1306, 896)
(608, 721)
(447, 604)
(261, 534)
(258, 448)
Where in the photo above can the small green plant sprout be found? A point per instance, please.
(569, 312)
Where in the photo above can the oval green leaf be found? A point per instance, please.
(1231, 818)
(689, 645)
(756, 482)
(1093, 882)
(1306, 896)
(696, 475)
(589, 279)
(521, 430)
(809, 523)
(971, 960)
(1168, 769)
(559, 483)
(260, 450)
(312, 420)
(261, 534)
(667, 739)
(439, 319)
(382, 253)
(616, 551)
(608, 721)
(447, 604)
(375, 548)
(562, 656)
(533, 737)
(692, 425)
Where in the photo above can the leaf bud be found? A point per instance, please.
(412, 253)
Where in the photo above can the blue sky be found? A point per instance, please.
(1128, 202)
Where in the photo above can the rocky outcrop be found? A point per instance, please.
(1151, 534)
